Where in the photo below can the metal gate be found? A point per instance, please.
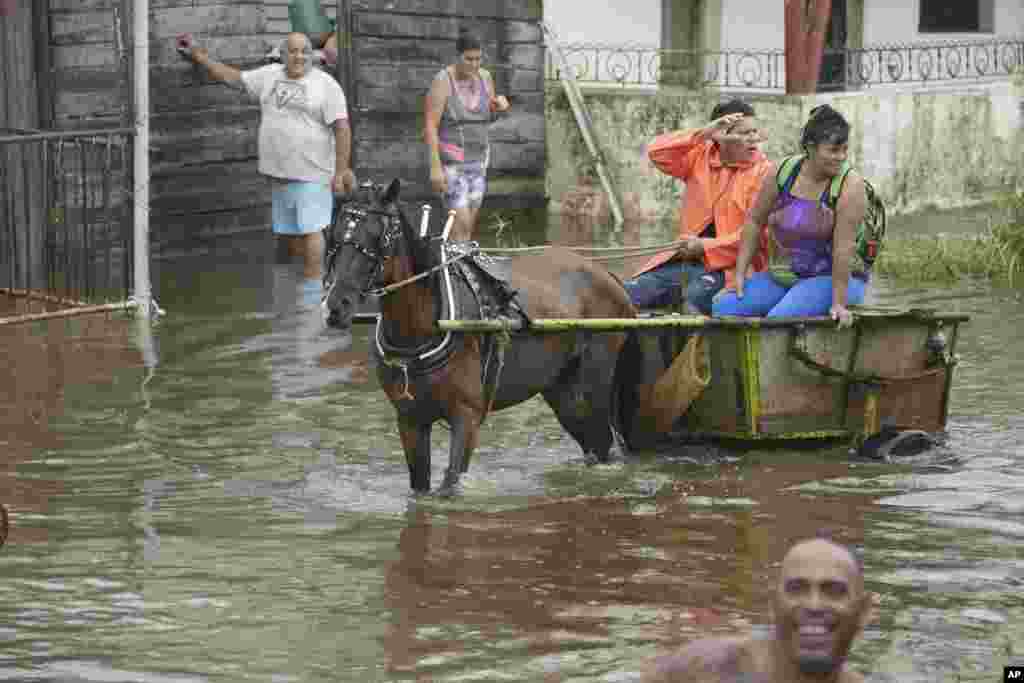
(65, 195)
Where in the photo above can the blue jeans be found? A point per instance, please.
(660, 287)
(762, 296)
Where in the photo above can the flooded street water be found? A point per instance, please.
(225, 499)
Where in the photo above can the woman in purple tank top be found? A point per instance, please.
(810, 244)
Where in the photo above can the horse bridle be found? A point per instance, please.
(353, 217)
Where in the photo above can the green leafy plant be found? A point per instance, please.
(995, 253)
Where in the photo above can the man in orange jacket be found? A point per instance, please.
(723, 166)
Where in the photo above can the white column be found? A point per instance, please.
(142, 292)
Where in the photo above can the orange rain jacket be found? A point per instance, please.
(714, 193)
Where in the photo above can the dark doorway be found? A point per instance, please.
(833, 60)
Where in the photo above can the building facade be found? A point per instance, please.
(870, 42)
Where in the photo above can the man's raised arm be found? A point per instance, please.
(223, 73)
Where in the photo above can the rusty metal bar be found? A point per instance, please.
(65, 134)
(68, 313)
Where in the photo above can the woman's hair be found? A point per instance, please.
(825, 126)
(467, 41)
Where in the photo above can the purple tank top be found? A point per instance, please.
(801, 234)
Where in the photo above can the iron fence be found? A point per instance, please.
(853, 68)
(66, 213)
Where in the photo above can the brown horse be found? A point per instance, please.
(430, 376)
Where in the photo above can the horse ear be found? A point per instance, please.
(391, 194)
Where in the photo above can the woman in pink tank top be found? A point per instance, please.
(810, 243)
(459, 108)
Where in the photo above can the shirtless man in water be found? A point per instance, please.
(820, 608)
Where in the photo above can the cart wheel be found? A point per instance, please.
(890, 444)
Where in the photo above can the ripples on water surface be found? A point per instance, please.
(241, 512)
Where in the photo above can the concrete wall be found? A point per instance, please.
(923, 149)
(617, 23)
(750, 25)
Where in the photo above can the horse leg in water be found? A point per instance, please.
(463, 400)
(416, 444)
(581, 398)
(464, 437)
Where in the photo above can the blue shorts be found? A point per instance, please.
(467, 184)
(301, 208)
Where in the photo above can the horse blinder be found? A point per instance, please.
(355, 217)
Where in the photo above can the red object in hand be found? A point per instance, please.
(183, 42)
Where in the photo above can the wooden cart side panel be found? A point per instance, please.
(893, 348)
(795, 397)
(721, 408)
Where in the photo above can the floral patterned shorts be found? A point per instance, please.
(467, 184)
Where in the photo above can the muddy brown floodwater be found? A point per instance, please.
(223, 498)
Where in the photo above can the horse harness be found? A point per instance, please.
(493, 298)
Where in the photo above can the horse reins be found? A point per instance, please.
(395, 286)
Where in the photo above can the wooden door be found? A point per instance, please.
(21, 211)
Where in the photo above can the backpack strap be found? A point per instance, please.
(835, 188)
(789, 169)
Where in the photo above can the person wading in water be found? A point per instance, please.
(459, 108)
(820, 608)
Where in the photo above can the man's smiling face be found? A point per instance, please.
(820, 606)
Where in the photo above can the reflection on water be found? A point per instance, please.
(230, 502)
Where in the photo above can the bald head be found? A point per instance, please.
(817, 550)
(298, 55)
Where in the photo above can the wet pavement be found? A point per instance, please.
(222, 497)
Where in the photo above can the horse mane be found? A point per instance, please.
(418, 249)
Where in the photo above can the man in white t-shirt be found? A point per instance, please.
(305, 142)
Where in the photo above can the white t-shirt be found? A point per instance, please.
(296, 135)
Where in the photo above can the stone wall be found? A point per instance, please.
(941, 148)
